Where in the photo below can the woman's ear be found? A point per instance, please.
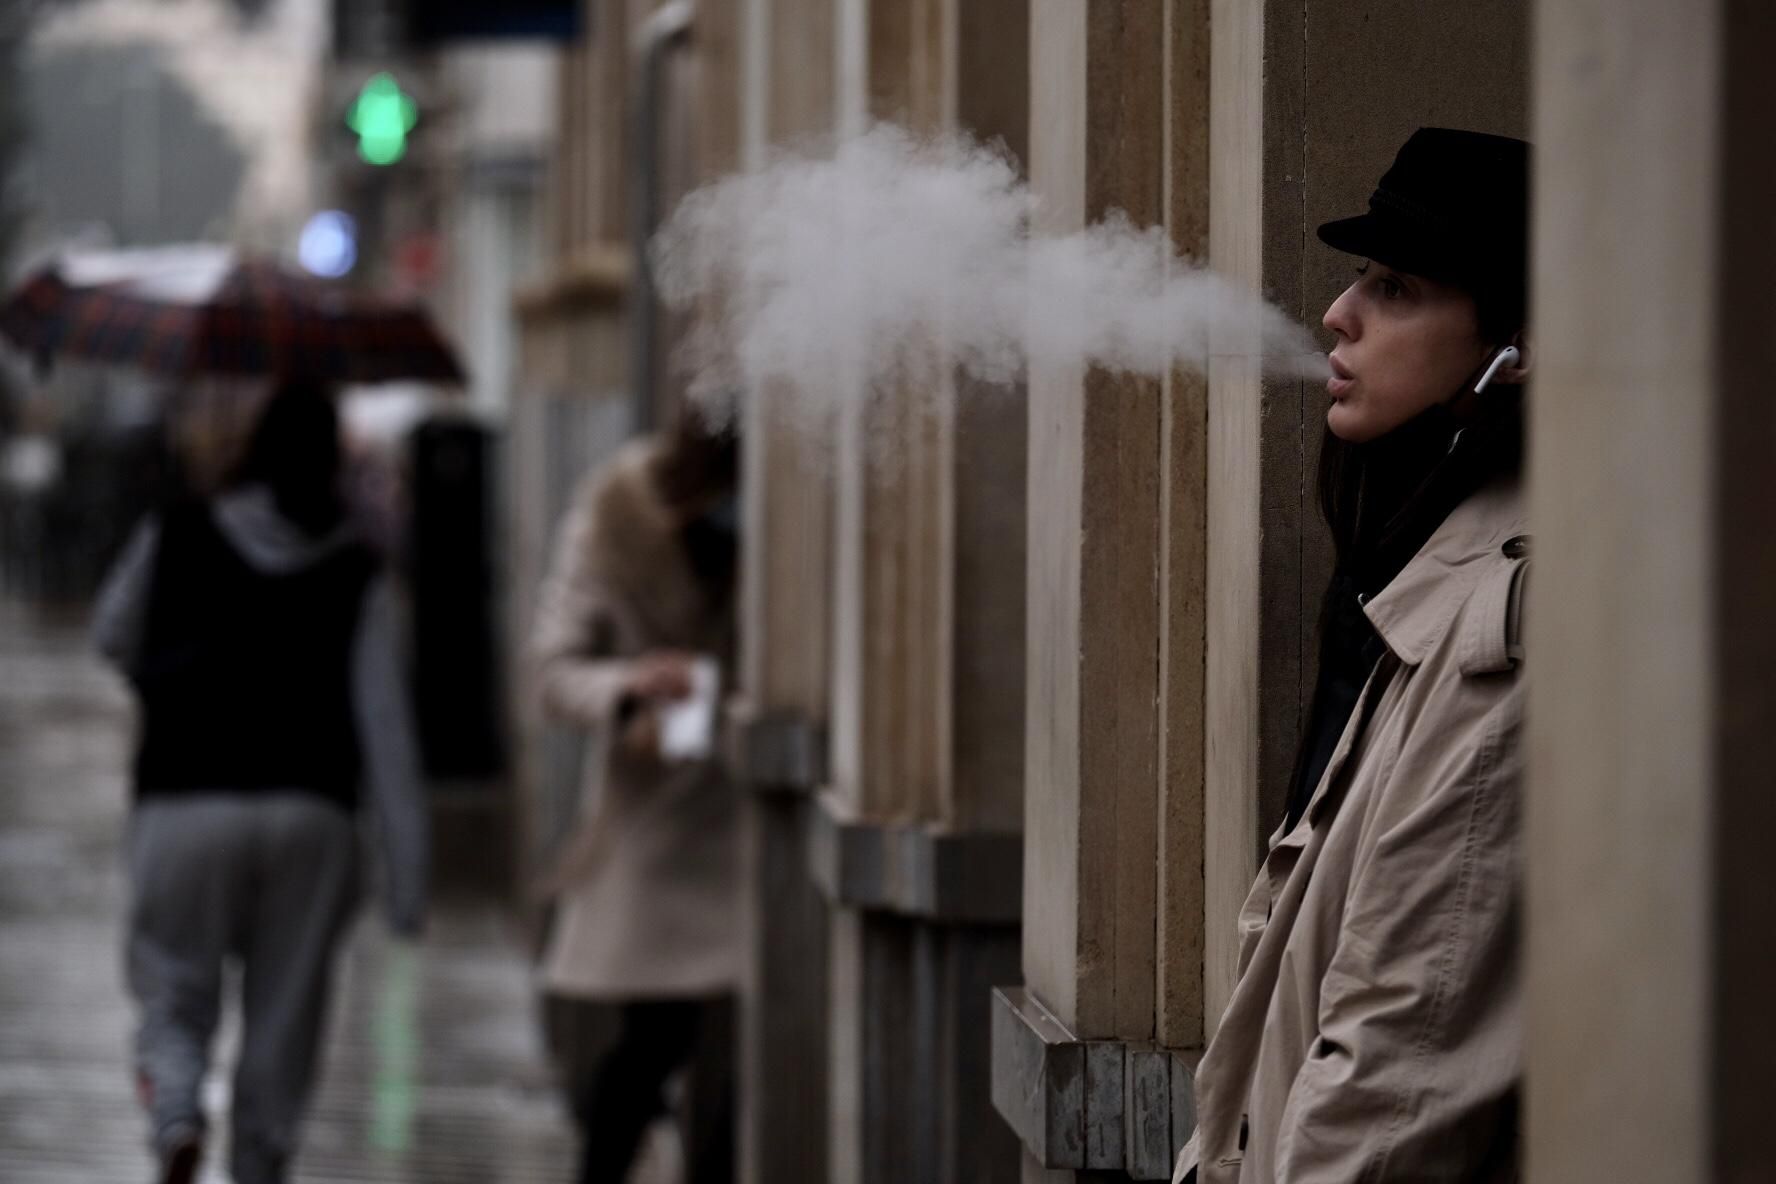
(1517, 373)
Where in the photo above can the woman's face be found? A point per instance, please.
(1405, 343)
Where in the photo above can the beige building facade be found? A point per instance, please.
(1019, 698)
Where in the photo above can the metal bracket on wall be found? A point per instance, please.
(1089, 1105)
(772, 751)
(959, 877)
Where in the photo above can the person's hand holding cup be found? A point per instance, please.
(653, 679)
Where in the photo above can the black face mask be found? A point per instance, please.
(712, 543)
(725, 514)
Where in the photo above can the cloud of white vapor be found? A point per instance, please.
(858, 262)
(257, 79)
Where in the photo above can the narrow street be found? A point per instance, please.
(433, 1069)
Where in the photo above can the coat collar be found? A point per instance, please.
(1415, 610)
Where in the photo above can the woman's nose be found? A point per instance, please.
(1341, 317)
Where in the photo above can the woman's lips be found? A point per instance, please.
(1341, 381)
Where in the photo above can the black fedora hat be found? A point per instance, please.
(1455, 208)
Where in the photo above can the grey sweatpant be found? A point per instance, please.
(269, 881)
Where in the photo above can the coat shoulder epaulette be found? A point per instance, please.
(1490, 638)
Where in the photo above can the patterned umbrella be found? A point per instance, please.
(206, 310)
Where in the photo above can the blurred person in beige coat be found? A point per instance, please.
(641, 588)
(1375, 1031)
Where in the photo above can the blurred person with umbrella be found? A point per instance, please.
(258, 633)
(218, 323)
(636, 617)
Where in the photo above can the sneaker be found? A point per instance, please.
(179, 1164)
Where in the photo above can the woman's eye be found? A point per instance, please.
(1390, 288)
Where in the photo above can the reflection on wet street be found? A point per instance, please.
(433, 1070)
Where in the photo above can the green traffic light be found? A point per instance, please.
(382, 117)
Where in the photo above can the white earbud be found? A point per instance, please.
(1505, 357)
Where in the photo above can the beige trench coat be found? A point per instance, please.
(1375, 1033)
(648, 905)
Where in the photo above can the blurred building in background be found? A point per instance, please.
(108, 149)
(120, 152)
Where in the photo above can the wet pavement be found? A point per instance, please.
(433, 1070)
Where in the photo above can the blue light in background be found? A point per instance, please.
(329, 244)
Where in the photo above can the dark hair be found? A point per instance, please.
(1383, 500)
(699, 463)
(295, 452)
(697, 470)
(1502, 308)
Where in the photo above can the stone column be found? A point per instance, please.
(777, 724)
(916, 841)
(1651, 644)
(1115, 632)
